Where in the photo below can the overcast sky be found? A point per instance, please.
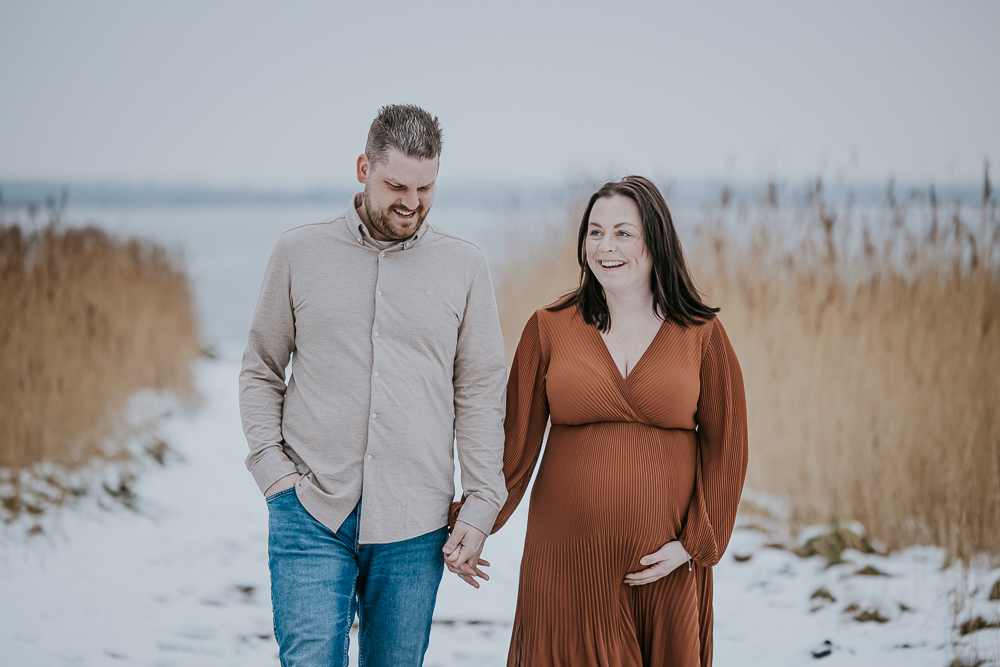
(281, 94)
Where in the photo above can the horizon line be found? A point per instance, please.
(42, 193)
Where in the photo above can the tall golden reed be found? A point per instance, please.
(85, 321)
(872, 376)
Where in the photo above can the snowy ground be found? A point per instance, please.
(182, 580)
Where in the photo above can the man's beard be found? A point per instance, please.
(379, 219)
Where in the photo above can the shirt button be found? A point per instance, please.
(379, 292)
(382, 254)
(374, 415)
(376, 334)
(376, 373)
(369, 457)
(406, 245)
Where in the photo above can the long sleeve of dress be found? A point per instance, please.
(526, 418)
(722, 452)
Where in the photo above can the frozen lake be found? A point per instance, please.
(225, 248)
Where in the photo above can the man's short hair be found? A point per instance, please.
(407, 128)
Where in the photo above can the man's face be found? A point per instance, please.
(399, 192)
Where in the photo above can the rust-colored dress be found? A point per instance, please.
(630, 465)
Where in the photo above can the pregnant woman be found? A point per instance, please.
(636, 495)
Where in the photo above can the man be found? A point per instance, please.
(397, 354)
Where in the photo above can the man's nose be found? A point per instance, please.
(411, 200)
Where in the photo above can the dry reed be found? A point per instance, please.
(535, 277)
(85, 321)
(871, 357)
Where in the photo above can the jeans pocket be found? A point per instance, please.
(283, 492)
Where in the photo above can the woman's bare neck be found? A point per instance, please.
(630, 307)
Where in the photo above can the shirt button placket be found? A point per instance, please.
(374, 394)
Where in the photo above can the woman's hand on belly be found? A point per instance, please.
(661, 563)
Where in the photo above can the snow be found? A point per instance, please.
(183, 579)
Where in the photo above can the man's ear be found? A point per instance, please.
(364, 168)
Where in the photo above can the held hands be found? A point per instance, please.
(659, 564)
(461, 553)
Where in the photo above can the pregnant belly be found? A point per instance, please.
(620, 482)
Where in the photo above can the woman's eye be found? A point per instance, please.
(594, 232)
(623, 233)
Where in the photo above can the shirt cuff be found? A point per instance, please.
(479, 514)
(270, 468)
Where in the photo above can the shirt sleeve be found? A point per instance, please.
(722, 452)
(480, 372)
(527, 417)
(262, 377)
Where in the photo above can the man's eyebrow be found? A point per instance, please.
(394, 184)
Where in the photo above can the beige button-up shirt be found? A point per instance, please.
(396, 356)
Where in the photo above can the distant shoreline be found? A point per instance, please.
(19, 194)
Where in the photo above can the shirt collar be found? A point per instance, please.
(360, 233)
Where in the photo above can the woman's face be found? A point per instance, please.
(616, 250)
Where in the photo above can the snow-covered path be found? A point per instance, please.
(184, 581)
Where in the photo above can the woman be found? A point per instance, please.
(636, 495)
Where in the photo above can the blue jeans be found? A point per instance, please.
(320, 579)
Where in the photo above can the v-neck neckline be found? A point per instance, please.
(611, 360)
